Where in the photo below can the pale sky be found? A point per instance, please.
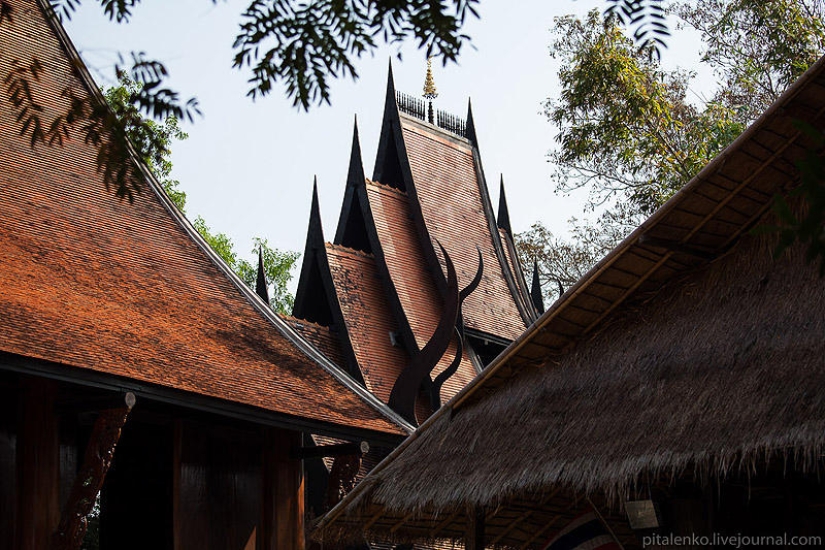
(248, 167)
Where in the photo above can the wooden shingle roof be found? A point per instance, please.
(129, 291)
(411, 281)
(448, 188)
(368, 318)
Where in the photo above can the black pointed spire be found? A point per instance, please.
(503, 218)
(355, 174)
(535, 290)
(388, 169)
(316, 229)
(311, 297)
(471, 127)
(351, 231)
(390, 86)
(260, 283)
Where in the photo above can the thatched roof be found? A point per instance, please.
(688, 350)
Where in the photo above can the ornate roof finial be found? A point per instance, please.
(430, 92)
(429, 82)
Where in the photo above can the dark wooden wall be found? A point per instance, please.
(9, 405)
(179, 480)
(136, 500)
(38, 471)
(237, 489)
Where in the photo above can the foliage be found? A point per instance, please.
(277, 265)
(646, 17)
(277, 268)
(91, 540)
(628, 133)
(302, 44)
(563, 262)
(626, 128)
(151, 140)
(757, 48)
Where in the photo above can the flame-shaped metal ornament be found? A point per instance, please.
(405, 390)
(435, 388)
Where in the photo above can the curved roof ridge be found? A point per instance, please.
(280, 325)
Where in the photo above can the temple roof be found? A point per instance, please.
(368, 318)
(440, 171)
(412, 283)
(385, 273)
(93, 283)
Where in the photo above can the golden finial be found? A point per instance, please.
(429, 83)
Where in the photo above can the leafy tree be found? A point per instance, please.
(152, 140)
(277, 265)
(278, 270)
(628, 133)
(627, 130)
(757, 47)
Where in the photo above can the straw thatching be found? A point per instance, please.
(721, 370)
(717, 370)
(706, 361)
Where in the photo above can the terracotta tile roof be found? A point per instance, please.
(327, 341)
(448, 189)
(368, 318)
(93, 282)
(412, 281)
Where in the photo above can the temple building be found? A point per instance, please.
(133, 362)
(421, 286)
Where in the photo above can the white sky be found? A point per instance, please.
(248, 167)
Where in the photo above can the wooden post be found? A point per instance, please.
(100, 451)
(283, 497)
(474, 539)
(38, 465)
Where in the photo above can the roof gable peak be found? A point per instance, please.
(355, 173)
(503, 218)
(260, 282)
(470, 127)
(535, 289)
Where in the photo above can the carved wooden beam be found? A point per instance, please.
(100, 451)
(341, 478)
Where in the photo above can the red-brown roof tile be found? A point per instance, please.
(327, 341)
(411, 280)
(448, 189)
(368, 318)
(97, 283)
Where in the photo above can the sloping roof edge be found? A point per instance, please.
(304, 346)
